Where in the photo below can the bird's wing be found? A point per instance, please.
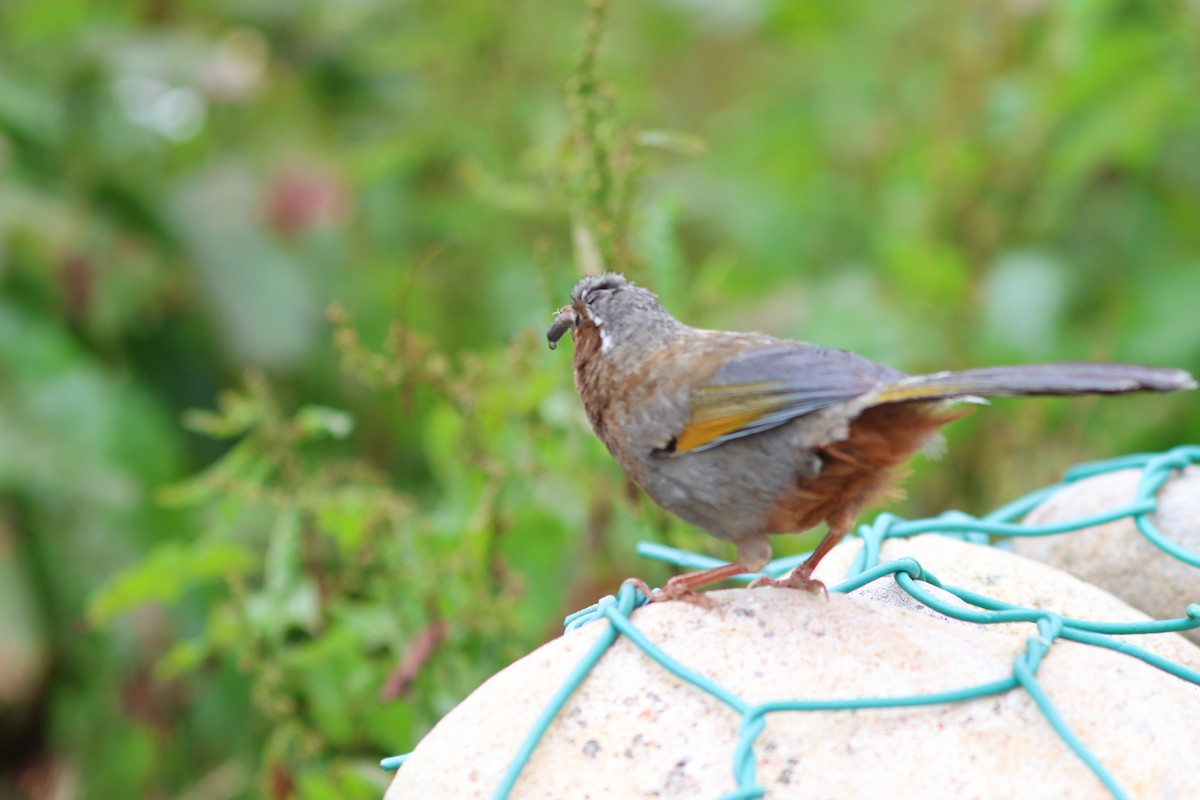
(764, 389)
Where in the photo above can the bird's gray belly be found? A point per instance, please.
(730, 490)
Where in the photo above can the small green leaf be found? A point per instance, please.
(346, 518)
(243, 461)
(315, 422)
(213, 425)
(283, 555)
(679, 142)
(165, 574)
(183, 657)
(274, 615)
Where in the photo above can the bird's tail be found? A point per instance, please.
(1066, 378)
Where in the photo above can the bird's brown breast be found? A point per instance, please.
(592, 379)
(586, 337)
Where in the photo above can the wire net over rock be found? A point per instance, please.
(969, 606)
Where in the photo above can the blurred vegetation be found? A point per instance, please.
(286, 468)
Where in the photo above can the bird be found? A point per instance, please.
(745, 435)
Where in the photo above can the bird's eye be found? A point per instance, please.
(593, 296)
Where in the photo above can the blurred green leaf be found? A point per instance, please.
(321, 421)
(243, 462)
(165, 574)
(680, 142)
(281, 570)
(346, 517)
(183, 657)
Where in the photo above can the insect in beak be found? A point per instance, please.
(564, 320)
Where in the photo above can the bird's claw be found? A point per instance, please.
(794, 580)
(672, 591)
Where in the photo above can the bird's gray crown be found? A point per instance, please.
(623, 312)
(591, 283)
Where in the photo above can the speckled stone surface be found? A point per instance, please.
(633, 730)
(1116, 556)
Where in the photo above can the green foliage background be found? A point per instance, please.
(286, 468)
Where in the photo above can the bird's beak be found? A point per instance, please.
(564, 320)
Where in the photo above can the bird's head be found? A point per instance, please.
(608, 312)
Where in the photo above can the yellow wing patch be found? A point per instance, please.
(721, 410)
(902, 392)
(698, 433)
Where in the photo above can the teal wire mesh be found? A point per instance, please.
(1156, 468)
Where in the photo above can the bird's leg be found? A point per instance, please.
(681, 587)
(801, 577)
(752, 555)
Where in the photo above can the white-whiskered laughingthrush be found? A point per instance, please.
(745, 435)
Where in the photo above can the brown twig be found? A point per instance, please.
(420, 650)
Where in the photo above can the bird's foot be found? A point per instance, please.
(642, 587)
(796, 579)
(675, 589)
